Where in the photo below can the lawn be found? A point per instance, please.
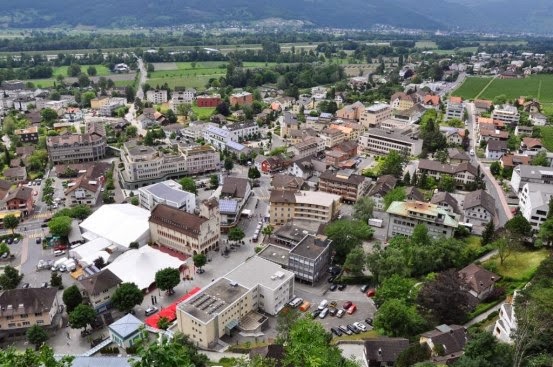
(426, 44)
(537, 86)
(196, 82)
(547, 137)
(101, 70)
(203, 113)
(123, 83)
(471, 87)
(42, 83)
(520, 266)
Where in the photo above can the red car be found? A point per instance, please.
(371, 292)
(347, 305)
(60, 248)
(351, 309)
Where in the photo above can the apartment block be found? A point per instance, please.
(312, 205)
(372, 116)
(380, 141)
(308, 147)
(156, 96)
(332, 137)
(530, 174)
(345, 183)
(169, 193)
(455, 108)
(234, 302)
(99, 289)
(182, 97)
(200, 158)
(74, 148)
(208, 100)
(507, 114)
(463, 173)
(241, 99)
(220, 137)
(534, 202)
(310, 258)
(404, 216)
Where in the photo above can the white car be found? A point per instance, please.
(360, 326)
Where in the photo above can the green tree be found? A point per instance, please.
(189, 185)
(253, 173)
(135, 201)
(396, 287)
(82, 316)
(446, 183)
(416, 352)
(29, 358)
(91, 71)
(11, 222)
(178, 351)
(55, 280)
(60, 226)
(267, 230)
(167, 279)
(495, 168)
(347, 235)
(363, 209)
(488, 235)
(84, 81)
(355, 261)
(214, 181)
(36, 336)
(4, 248)
(11, 278)
(131, 131)
(285, 320)
(149, 138)
(407, 179)
(396, 194)
(483, 350)
(72, 297)
(163, 323)
(126, 296)
(392, 164)
(199, 260)
(171, 116)
(48, 115)
(420, 235)
(228, 164)
(236, 234)
(545, 234)
(73, 70)
(519, 226)
(396, 318)
(80, 211)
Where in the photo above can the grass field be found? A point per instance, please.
(426, 44)
(101, 70)
(42, 83)
(547, 137)
(536, 86)
(521, 265)
(203, 113)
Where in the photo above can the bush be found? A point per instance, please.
(360, 279)
(109, 350)
(495, 295)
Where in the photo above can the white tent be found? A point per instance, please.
(89, 260)
(140, 266)
(120, 224)
(89, 249)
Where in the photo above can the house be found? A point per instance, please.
(447, 202)
(22, 308)
(313, 205)
(495, 149)
(479, 208)
(404, 216)
(310, 146)
(269, 164)
(531, 144)
(383, 352)
(4, 188)
(373, 115)
(486, 134)
(463, 173)
(332, 137)
(98, 288)
(208, 100)
(384, 184)
(450, 339)
(538, 119)
(345, 183)
(535, 174)
(156, 96)
(286, 182)
(351, 112)
(506, 326)
(28, 135)
(236, 188)
(16, 174)
(431, 100)
(456, 156)
(127, 331)
(532, 106)
(524, 130)
(478, 281)
(241, 99)
(455, 108)
(288, 122)
(21, 199)
(534, 203)
(402, 101)
(482, 105)
(512, 160)
(453, 136)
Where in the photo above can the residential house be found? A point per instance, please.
(492, 134)
(402, 101)
(287, 182)
(345, 183)
(532, 106)
(455, 108)
(453, 135)
(413, 194)
(180, 97)
(241, 99)
(156, 96)
(462, 173)
(524, 130)
(373, 115)
(479, 208)
(351, 112)
(316, 206)
(382, 141)
(16, 174)
(506, 326)
(332, 137)
(534, 203)
(98, 288)
(384, 184)
(383, 352)
(236, 188)
(482, 105)
(512, 160)
(404, 216)
(478, 281)
(446, 201)
(127, 331)
(4, 188)
(535, 174)
(20, 198)
(495, 149)
(456, 156)
(450, 339)
(531, 144)
(288, 123)
(269, 164)
(308, 147)
(22, 308)
(186, 233)
(90, 146)
(431, 101)
(506, 113)
(538, 119)
(85, 189)
(28, 135)
(208, 100)
(167, 192)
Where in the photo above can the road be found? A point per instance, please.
(492, 186)
(452, 86)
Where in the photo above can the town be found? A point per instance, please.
(383, 204)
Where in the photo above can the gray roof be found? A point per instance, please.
(311, 247)
(385, 349)
(445, 197)
(480, 198)
(529, 172)
(168, 193)
(497, 145)
(126, 326)
(427, 164)
(451, 337)
(456, 153)
(235, 187)
(267, 273)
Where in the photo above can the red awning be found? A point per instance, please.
(170, 312)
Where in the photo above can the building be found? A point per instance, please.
(446, 201)
(456, 156)
(482, 105)
(287, 182)
(22, 308)
(402, 101)
(332, 137)
(317, 206)
(455, 108)
(351, 112)
(99, 288)
(409, 116)
(182, 97)
(479, 208)
(28, 135)
(288, 122)
(534, 202)
(384, 184)
(310, 258)
(382, 141)
(90, 146)
(478, 281)
(16, 174)
(126, 331)
(269, 164)
(200, 159)
(531, 144)
(156, 96)
(462, 173)
(495, 149)
(404, 216)
(449, 338)
(534, 174)
(169, 193)
(221, 137)
(21, 198)
(372, 116)
(453, 135)
(506, 326)
(382, 352)
(234, 300)
(308, 147)
(507, 114)
(241, 99)
(345, 183)
(208, 101)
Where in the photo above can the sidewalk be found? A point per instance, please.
(483, 316)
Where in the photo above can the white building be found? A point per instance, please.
(373, 115)
(506, 113)
(182, 97)
(455, 108)
(219, 137)
(535, 174)
(169, 193)
(156, 96)
(534, 202)
(382, 141)
(479, 207)
(506, 326)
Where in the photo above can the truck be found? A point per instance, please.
(375, 222)
(57, 264)
(70, 265)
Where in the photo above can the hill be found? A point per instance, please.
(486, 15)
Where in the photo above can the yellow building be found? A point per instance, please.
(312, 205)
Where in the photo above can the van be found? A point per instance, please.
(323, 304)
(305, 306)
(295, 302)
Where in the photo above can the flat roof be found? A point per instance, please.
(316, 198)
(311, 247)
(275, 254)
(267, 273)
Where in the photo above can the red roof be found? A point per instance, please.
(170, 312)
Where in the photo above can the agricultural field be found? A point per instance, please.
(536, 86)
(547, 137)
(101, 70)
(426, 44)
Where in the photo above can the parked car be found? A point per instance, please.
(352, 309)
(59, 252)
(333, 287)
(345, 330)
(347, 305)
(340, 313)
(151, 310)
(295, 302)
(38, 240)
(336, 331)
(360, 326)
(365, 288)
(323, 304)
(10, 241)
(369, 321)
(60, 248)
(332, 311)
(371, 292)
(25, 285)
(331, 279)
(333, 304)
(5, 255)
(341, 287)
(323, 313)
(16, 240)
(315, 313)
(305, 306)
(353, 329)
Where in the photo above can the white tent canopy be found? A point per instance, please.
(120, 224)
(140, 266)
(89, 260)
(89, 249)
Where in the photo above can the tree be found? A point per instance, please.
(495, 168)
(84, 82)
(11, 278)
(545, 234)
(504, 247)
(446, 183)
(73, 70)
(48, 115)
(483, 350)
(81, 211)
(540, 159)
(36, 336)
(199, 260)
(11, 222)
(60, 226)
(363, 209)
(82, 316)
(131, 131)
(189, 185)
(229, 164)
(420, 235)
(214, 181)
(396, 318)
(488, 235)
(396, 287)
(163, 323)
(72, 297)
(407, 179)
(347, 235)
(253, 173)
(355, 261)
(444, 300)
(91, 71)
(126, 296)
(29, 358)
(236, 234)
(167, 279)
(171, 116)
(178, 351)
(55, 280)
(267, 231)
(519, 226)
(396, 194)
(392, 164)
(285, 319)
(99, 262)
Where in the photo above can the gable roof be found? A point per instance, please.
(235, 187)
(430, 165)
(100, 282)
(15, 172)
(21, 193)
(287, 182)
(177, 220)
(31, 300)
(497, 145)
(456, 153)
(477, 278)
(384, 184)
(412, 193)
(451, 337)
(445, 197)
(480, 198)
(385, 349)
(433, 100)
(532, 143)
(126, 326)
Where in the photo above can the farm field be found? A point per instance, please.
(101, 70)
(536, 86)
(547, 137)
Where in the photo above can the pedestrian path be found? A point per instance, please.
(97, 348)
(35, 234)
(41, 215)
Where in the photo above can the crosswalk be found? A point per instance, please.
(35, 234)
(41, 215)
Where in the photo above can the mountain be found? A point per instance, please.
(484, 15)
